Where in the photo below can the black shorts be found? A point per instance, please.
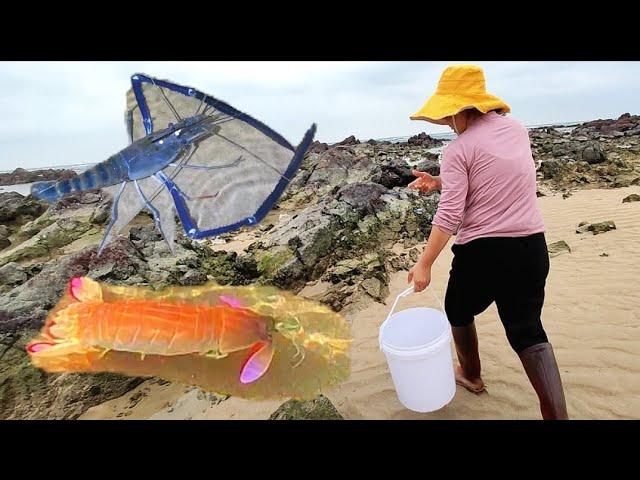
(511, 271)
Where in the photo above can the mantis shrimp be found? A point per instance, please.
(244, 341)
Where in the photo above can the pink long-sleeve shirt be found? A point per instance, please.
(489, 182)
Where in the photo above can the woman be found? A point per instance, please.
(488, 201)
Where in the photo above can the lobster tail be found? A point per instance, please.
(101, 175)
(45, 191)
(52, 191)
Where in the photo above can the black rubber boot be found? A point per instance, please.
(540, 364)
(466, 341)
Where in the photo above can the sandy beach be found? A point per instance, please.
(591, 315)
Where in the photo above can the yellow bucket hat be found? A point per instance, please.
(460, 87)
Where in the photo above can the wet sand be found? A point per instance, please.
(591, 315)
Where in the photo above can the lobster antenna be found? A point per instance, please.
(166, 100)
(255, 156)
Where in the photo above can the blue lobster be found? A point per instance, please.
(240, 166)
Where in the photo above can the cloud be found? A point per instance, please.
(73, 112)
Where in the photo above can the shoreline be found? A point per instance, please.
(590, 316)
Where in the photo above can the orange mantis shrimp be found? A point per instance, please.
(247, 341)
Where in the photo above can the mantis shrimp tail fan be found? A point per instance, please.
(253, 342)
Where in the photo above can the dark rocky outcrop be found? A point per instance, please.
(320, 408)
(634, 197)
(596, 228)
(424, 140)
(558, 248)
(20, 175)
(350, 140)
(18, 209)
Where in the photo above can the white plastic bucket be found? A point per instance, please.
(417, 344)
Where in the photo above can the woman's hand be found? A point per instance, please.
(421, 276)
(425, 183)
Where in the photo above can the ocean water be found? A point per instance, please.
(439, 136)
(21, 188)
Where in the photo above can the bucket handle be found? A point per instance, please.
(408, 292)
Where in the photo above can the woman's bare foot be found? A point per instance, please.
(474, 386)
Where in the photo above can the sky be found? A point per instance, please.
(63, 113)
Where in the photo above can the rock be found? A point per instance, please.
(194, 277)
(320, 408)
(28, 303)
(432, 167)
(102, 211)
(367, 266)
(12, 274)
(364, 196)
(621, 124)
(558, 248)
(78, 199)
(4, 237)
(20, 175)
(634, 197)
(143, 236)
(26, 392)
(59, 234)
(596, 228)
(593, 154)
(317, 147)
(18, 208)
(29, 393)
(553, 169)
(424, 140)
(350, 140)
(582, 227)
(332, 169)
(562, 148)
(604, 254)
(372, 142)
(376, 288)
(392, 176)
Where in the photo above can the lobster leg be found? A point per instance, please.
(136, 84)
(154, 210)
(157, 218)
(160, 179)
(190, 227)
(114, 217)
(215, 354)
